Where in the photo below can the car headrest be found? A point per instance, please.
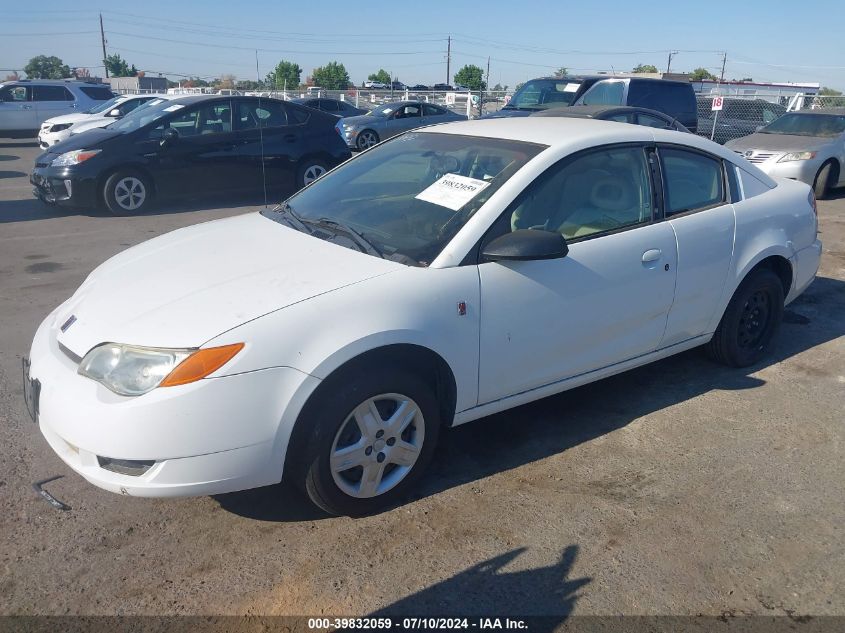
(612, 194)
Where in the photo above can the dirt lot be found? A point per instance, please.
(678, 488)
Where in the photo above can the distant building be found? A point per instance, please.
(768, 91)
(136, 85)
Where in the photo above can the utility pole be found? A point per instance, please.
(724, 61)
(486, 87)
(669, 63)
(448, 59)
(103, 40)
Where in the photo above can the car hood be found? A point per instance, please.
(186, 287)
(93, 138)
(368, 120)
(67, 118)
(779, 142)
(91, 124)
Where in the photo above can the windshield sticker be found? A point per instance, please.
(570, 88)
(174, 107)
(452, 191)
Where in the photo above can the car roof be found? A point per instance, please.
(590, 111)
(564, 135)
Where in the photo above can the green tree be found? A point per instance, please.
(43, 67)
(332, 76)
(702, 73)
(382, 76)
(284, 74)
(118, 67)
(561, 72)
(829, 92)
(471, 76)
(644, 68)
(499, 88)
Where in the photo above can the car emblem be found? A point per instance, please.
(749, 152)
(71, 320)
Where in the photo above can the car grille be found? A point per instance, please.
(757, 157)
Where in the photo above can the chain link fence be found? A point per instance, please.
(743, 114)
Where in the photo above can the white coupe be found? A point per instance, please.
(440, 277)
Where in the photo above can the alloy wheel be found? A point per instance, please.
(367, 140)
(377, 445)
(130, 193)
(754, 320)
(311, 173)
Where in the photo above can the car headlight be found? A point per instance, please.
(797, 156)
(58, 127)
(74, 158)
(129, 370)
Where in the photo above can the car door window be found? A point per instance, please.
(769, 115)
(254, 115)
(620, 118)
(594, 193)
(328, 105)
(15, 94)
(604, 93)
(407, 112)
(127, 106)
(51, 93)
(692, 181)
(432, 110)
(213, 118)
(653, 121)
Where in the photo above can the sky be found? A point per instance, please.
(767, 41)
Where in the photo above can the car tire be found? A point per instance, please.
(366, 139)
(821, 185)
(309, 171)
(751, 321)
(383, 463)
(127, 192)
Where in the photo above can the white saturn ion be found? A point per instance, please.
(437, 278)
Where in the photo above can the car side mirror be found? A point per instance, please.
(524, 245)
(168, 136)
(114, 113)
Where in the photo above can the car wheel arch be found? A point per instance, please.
(101, 180)
(425, 362)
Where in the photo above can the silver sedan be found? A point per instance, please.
(808, 146)
(362, 132)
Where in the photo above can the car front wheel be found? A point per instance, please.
(367, 139)
(821, 185)
(751, 321)
(372, 439)
(309, 171)
(127, 193)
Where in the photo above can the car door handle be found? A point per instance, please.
(652, 255)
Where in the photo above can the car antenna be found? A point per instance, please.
(261, 133)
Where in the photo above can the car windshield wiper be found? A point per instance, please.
(356, 236)
(291, 217)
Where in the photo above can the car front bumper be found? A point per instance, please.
(801, 170)
(212, 436)
(63, 186)
(47, 139)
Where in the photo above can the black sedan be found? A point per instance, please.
(623, 114)
(332, 106)
(188, 147)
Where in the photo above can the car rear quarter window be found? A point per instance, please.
(328, 105)
(51, 93)
(97, 93)
(296, 116)
(662, 96)
(692, 181)
(432, 110)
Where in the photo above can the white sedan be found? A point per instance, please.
(59, 128)
(448, 274)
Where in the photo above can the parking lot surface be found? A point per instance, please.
(682, 487)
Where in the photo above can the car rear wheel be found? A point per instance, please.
(309, 171)
(751, 321)
(367, 139)
(821, 185)
(127, 193)
(372, 439)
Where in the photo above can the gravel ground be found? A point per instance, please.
(678, 488)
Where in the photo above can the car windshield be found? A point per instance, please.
(821, 125)
(105, 106)
(408, 197)
(144, 114)
(540, 94)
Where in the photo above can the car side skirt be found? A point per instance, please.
(551, 389)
